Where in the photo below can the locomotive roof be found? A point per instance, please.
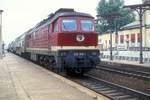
(70, 14)
(67, 12)
(62, 12)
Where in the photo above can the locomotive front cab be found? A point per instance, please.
(77, 31)
(77, 43)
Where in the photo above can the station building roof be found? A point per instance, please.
(134, 25)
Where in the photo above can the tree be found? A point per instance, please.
(106, 7)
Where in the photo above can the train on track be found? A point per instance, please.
(65, 41)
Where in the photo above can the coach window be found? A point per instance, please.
(69, 25)
(87, 25)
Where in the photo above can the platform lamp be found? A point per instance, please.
(1, 55)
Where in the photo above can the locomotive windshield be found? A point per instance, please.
(69, 25)
(87, 25)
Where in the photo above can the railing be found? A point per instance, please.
(145, 60)
(138, 48)
(128, 49)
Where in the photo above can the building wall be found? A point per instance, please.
(130, 39)
(148, 37)
(104, 41)
(123, 52)
(128, 42)
(147, 22)
(128, 45)
(147, 17)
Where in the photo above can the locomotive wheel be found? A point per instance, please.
(74, 71)
(78, 71)
(41, 60)
(46, 61)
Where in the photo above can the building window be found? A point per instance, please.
(133, 38)
(127, 38)
(121, 38)
(138, 37)
(116, 38)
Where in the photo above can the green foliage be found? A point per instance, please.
(105, 7)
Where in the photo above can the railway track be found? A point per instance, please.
(110, 90)
(133, 73)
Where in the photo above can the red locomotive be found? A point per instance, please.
(66, 40)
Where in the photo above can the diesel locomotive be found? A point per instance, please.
(65, 41)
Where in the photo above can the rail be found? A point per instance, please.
(110, 90)
(139, 74)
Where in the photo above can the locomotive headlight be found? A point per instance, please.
(80, 38)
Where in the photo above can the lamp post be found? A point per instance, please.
(111, 16)
(140, 8)
(110, 43)
(1, 55)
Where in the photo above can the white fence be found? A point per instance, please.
(127, 55)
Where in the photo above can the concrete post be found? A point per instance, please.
(111, 57)
(1, 55)
(141, 36)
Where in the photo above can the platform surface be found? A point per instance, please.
(136, 63)
(20, 79)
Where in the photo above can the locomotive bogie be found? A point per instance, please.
(84, 59)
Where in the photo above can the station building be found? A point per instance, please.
(127, 41)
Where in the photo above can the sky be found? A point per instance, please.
(21, 15)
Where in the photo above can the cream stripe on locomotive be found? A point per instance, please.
(55, 48)
(40, 49)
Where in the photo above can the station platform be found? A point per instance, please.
(21, 79)
(125, 62)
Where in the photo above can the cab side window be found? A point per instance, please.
(55, 27)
